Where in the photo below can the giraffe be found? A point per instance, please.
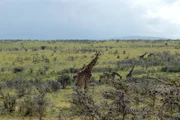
(151, 54)
(129, 75)
(105, 76)
(84, 75)
(109, 76)
(142, 56)
(116, 74)
(76, 74)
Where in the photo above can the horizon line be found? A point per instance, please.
(86, 39)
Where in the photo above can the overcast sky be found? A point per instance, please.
(88, 19)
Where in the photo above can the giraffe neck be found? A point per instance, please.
(144, 54)
(92, 63)
(131, 70)
(115, 73)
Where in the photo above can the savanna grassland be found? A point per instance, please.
(36, 80)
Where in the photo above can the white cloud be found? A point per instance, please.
(161, 16)
(166, 12)
(89, 18)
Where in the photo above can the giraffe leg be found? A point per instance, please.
(85, 84)
(80, 82)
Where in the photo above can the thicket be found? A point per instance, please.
(132, 99)
(29, 97)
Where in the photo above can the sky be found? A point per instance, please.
(89, 19)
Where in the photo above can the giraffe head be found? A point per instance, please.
(93, 62)
(132, 66)
(97, 54)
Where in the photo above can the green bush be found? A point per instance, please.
(65, 80)
(18, 69)
(171, 69)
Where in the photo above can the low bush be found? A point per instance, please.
(175, 69)
(18, 69)
(65, 80)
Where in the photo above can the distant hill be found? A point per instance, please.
(142, 38)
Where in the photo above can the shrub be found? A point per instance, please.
(9, 102)
(26, 105)
(52, 86)
(64, 80)
(18, 69)
(35, 103)
(70, 70)
(83, 104)
(175, 69)
(43, 47)
(41, 103)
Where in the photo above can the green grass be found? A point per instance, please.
(74, 54)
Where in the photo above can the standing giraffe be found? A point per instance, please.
(84, 75)
(75, 76)
(151, 54)
(109, 76)
(129, 75)
(116, 74)
(142, 56)
(105, 76)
